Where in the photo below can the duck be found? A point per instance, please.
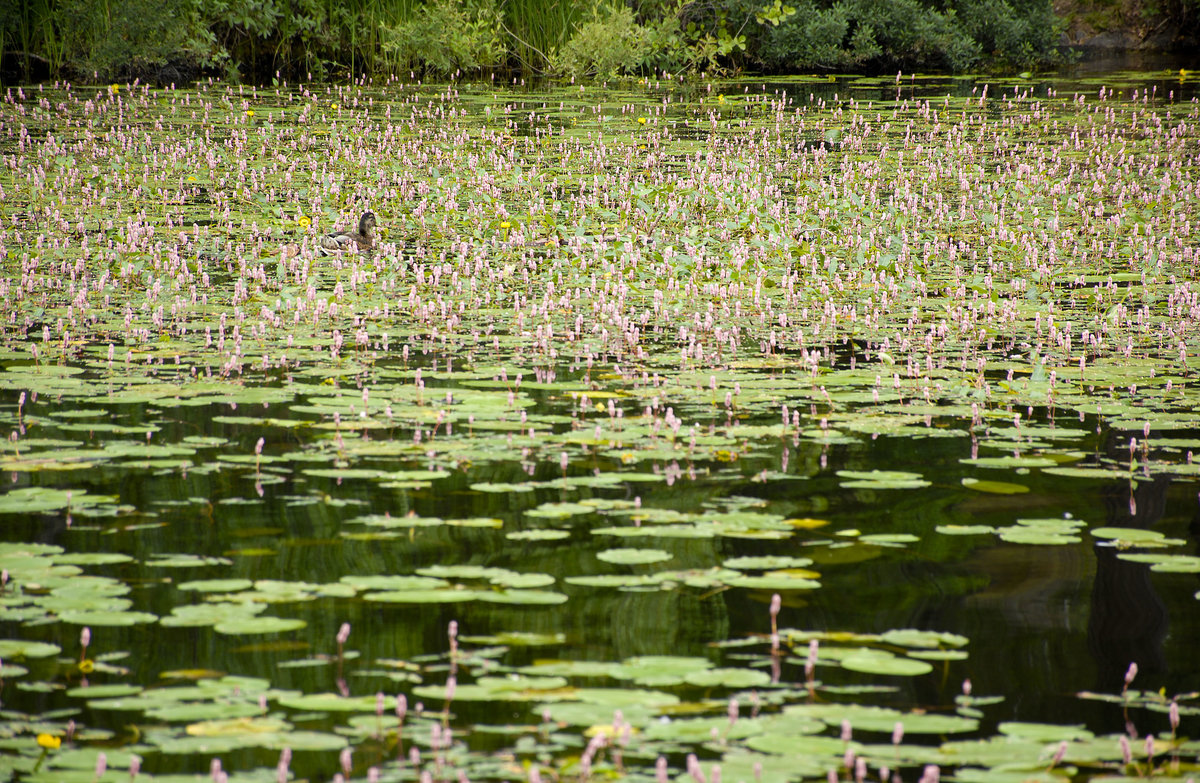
(362, 239)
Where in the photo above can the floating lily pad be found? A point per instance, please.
(633, 556)
(246, 625)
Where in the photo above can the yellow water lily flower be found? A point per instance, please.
(87, 666)
(641, 120)
(304, 221)
(249, 112)
(49, 741)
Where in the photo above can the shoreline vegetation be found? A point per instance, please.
(260, 40)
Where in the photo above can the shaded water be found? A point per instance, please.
(613, 344)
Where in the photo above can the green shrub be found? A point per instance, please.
(1021, 33)
(110, 39)
(816, 38)
(610, 43)
(447, 37)
(875, 34)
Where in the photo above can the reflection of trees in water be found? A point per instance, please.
(1128, 621)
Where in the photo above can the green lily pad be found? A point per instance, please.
(633, 556)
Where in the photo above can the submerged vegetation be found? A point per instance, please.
(304, 39)
(760, 427)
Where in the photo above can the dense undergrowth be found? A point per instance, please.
(304, 39)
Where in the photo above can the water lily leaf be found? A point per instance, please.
(484, 486)
(728, 678)
(1170, 564)
(527, 597)
(237, 726)
(333, 702)
(881, 662)
(658, 531)
(766, 562)
(245, 625)
(393, 582)
(204, 711)
(881, 479)
(1125, 537)
(994, 487)
(185, 561)
(93, 558)
(633, 556)
(613, 580)
(443, 596)
(559, 510)
(1043, 732)
(209, 614)
(24, 648)
(571, 669)
(774, 581)
(911, 637)
(1021, 534)
(965, 530)
(216, 585)
(542, 534)
(106, 618)
(104, 691)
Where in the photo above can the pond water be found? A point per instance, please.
(812, 429)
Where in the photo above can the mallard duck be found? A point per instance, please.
(362, 239)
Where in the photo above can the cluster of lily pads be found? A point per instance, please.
(623, 363)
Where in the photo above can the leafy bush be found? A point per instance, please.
(1023, 33)
(817, 38)
(610, 43)
(134, 38)
(448, 36)
(255, 39)
(870, 33)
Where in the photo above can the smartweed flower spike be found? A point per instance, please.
(85, 638)
(281, 769)
(1130, 673)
